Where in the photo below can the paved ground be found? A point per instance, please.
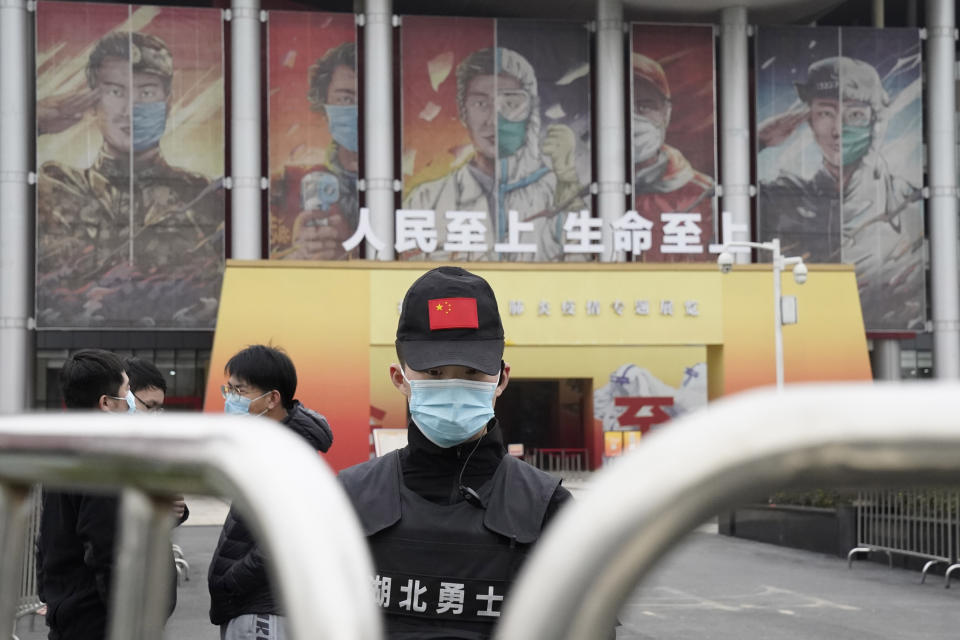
(711, 587)
(726, 588)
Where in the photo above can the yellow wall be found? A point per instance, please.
(337, 320)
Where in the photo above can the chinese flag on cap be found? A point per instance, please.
(453, 313)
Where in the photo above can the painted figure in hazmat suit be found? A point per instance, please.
(853, 210)
(498, 103)
(664, 181)
(633, 381)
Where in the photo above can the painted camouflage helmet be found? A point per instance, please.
(146, 53)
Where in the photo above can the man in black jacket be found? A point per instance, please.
(262, 381)
(149, 391)
(75, 549)
(450, 518)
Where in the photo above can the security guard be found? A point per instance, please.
(450, 518)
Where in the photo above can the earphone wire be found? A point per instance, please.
(467, 461)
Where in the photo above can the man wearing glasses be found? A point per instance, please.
(148, 390)
(853, 209)
(147, 385)
(75, 550)
(498, 104)
(261, 382)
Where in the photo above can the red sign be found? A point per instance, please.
(453, 313)
(643, 412)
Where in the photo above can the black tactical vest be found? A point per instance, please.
(442, 571)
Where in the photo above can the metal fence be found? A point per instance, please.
(286, 493)
(28, 600)
(569, 463)
(917, 523)
(709, 461)
(738, 450)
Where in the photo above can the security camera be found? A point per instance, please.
(725, 262)
(800, 273)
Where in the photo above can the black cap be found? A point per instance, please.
(450, 316)
(823, 81)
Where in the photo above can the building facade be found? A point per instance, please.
(158, 141)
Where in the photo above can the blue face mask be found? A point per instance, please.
(131, 402)
(510, 136)
(239, 405)
(343, 125)
(149, 123)
(855, 142)
(450, 412)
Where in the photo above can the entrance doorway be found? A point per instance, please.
(549, 415)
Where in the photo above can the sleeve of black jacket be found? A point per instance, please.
(96, 529)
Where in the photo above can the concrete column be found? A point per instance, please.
(942, 171)
(378, 140)
(886, 353)
(612, 133)
(877, 10)
(735, 123)
(16, 206)
(886, 360)
(245, 90)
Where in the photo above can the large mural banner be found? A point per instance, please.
(130, 150)
(840, 159)
(674, 143)
(314, 141)
(496, 141)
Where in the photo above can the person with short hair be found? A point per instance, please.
(147, 384)
(149, 390)
(449, 518)
(321, 200)
(75, 548)
(262, 381)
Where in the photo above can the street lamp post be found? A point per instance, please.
(780, 262)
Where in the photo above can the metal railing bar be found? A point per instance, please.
(14, 510)
(274, 477)
(140, 605)
(837, 435)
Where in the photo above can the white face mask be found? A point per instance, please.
(648, 137)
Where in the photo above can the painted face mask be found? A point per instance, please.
(647, 138)
(510, 136)
(239, 405)
(149, 123)
(855, 141)
(450, 412)
(343, 125)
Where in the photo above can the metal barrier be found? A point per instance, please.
(559, 461)
(28, 600)
(740, 449)
(287, 495)
(921, 524)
